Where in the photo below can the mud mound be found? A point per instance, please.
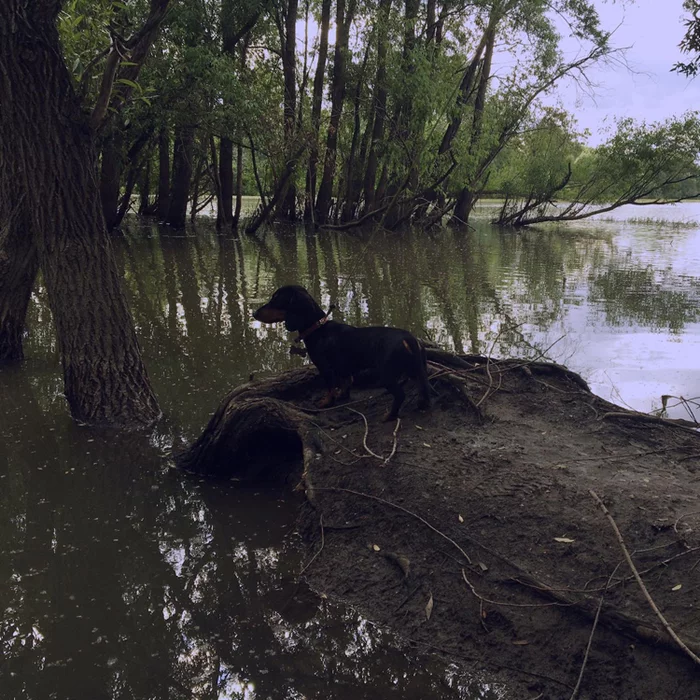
(477, 529)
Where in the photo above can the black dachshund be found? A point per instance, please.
(340, 351)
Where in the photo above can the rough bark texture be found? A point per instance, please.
(48, 147)
(469, 528)
(182, 177)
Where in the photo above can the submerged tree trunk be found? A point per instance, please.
(18, 267)
(47, 144)
(163, 195)
(224, 213)
(182, 177)
(145, 208)
(239, 187)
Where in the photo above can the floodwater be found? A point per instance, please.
(121, 577)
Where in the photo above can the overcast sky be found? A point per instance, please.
(652, 30)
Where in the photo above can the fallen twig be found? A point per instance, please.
(320, 549)
(396, 438)
(338, 489)
(638, 578)
(590, 639)
(509, 605)
(646, 418)
(364, 438)
(685, 515)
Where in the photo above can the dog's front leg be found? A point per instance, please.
(329, 397)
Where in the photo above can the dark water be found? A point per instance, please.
(123, 578)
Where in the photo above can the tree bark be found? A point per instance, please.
(182, 177)
(163, 174)
(46, 145)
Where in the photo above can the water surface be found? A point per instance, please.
(123, 578)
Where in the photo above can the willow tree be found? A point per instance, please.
(51, 215)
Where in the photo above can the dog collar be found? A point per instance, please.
(305, 334)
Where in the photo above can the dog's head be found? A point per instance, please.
(293, 305)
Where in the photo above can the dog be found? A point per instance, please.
(340, 351)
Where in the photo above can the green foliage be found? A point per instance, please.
(639, 162)
(196, 75)
(537, 161)
(640, 159)
(690, 44)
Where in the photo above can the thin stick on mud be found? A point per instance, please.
(507, 605)
(320, 549)
(638, 578)
(396, 439)
(590, 639)
(338, 489)
(364, 438)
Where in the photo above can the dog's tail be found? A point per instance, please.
(420, 368)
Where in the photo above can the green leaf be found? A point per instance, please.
(129, 83)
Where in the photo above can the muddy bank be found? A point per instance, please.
(472, 531)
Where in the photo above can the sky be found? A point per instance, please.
(647, 90)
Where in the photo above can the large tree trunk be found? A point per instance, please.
(46, 144)
(163, 174)
(316, 103)
(182, 177)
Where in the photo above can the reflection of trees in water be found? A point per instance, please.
(120, 579)
(630, 294)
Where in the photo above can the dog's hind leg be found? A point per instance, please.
(422, 378)
(396, 390)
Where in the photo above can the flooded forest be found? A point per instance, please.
(193, 505)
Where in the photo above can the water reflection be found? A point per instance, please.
(120, 578)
